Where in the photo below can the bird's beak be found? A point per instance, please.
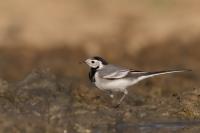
(82, 62)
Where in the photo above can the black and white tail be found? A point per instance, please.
(145, 75)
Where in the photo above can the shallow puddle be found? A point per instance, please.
(153, 127)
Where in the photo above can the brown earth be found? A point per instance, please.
(48, 91)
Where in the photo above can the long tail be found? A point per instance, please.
(146, 75)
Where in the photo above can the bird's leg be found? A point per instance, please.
(124, 95)
(122, 98)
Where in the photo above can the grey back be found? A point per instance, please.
(109, 69)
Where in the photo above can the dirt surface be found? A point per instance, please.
(48, 91)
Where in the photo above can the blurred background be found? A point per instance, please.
(140, 33)
(60, 33)
(48, 38)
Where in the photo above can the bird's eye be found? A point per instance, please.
(92, 62)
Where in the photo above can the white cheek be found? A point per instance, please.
(93, 65)
(96, 64)
(100, 65)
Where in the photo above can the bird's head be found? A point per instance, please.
(96, 62)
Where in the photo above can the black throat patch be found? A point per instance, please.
(94, 70)
(92, 74)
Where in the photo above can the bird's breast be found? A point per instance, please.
(114, 85)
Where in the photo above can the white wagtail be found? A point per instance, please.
(114, 78)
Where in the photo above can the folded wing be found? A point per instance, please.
(117, 74)
(114, 72)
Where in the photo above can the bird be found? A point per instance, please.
(113, 78)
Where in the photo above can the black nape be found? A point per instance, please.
(104, 62)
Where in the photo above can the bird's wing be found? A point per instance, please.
(113, 72)
(140, 75)
(116, 74)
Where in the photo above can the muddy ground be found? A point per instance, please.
(48, 91)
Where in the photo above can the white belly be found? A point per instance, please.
(113, 85)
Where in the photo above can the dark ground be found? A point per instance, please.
(48, 91)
